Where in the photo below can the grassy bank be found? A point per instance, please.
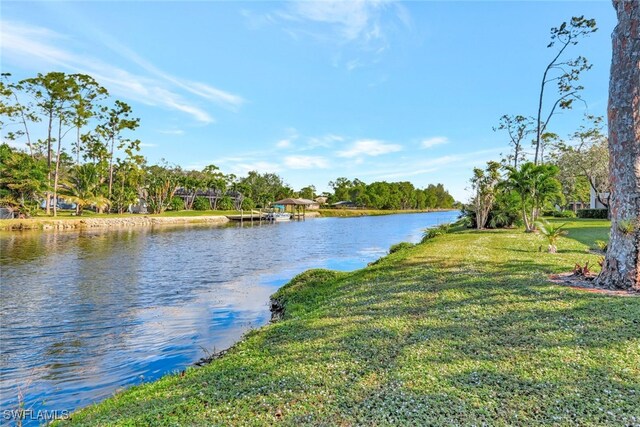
(462, 330)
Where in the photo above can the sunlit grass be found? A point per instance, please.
(464, 329)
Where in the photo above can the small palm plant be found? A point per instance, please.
(551, 232)
(83, 188)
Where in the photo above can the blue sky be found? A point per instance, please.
(314, 90)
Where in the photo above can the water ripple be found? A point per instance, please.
(83, 314)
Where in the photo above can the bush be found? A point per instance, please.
(505, 212)
(248, 204)
(176, 204)
(225, 204)
(593, 213)
(201, 204)
(564, 214)
(400, 246)
(430, 233)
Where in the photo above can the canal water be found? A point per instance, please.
(84, 314)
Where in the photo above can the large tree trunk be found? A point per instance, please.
(621, 269)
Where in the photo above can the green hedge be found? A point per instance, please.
(593, 213)
(201, 204)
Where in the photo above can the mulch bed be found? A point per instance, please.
(585, 283)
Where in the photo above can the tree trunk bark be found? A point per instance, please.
(56, 176)
(621, 268)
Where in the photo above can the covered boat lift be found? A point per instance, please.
(296, 206)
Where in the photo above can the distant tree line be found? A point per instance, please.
(390, 195)
(79, 148)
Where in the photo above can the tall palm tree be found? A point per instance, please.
(83, 188)
(536, 185)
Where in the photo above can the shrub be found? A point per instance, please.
(400, 246)
(551, 232)
(248, 204)
(505, 212)
(225, 204)
(430, 233)
(564, 214)
(593, 213)
(176, 204)
(559, 214)
(201, 204)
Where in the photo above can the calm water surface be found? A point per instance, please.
(83, 314)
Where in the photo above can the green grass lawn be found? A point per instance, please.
(462, 330)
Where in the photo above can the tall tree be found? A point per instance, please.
(308, 192)
(69, 92)
(51, 93)
(15, 111)
(565, 73)
(117, 120)
(621, 267)
(85, 106)
(536, 185)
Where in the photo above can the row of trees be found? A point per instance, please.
(80, 149)
(556, 172)
(524, 183)
(84, 150)
(506, 195)
(390, 195)
(24, 184)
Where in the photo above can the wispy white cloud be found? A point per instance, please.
(259, 166)
(283, 143)
(291, 136)
(324, 141)
(148, 145)
(239, 164)
(39, 47)
(405, 174)
(352, 20)
(432, 142)
(306, 162)
(361, 24)
(369, 147)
